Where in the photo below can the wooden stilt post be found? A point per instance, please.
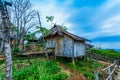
(76, 59)
(46, 53)
(55, 56)
(83, 58)
(73, 60)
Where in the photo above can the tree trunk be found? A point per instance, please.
(6, 42)
(8, 61)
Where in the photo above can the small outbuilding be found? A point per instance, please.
(64, 43)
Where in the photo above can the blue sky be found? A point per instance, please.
(97, 20)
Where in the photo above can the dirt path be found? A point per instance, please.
(73, 75)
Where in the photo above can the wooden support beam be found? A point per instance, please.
(73, 60)
(55, 56)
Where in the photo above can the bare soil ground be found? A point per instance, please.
(1, 57)
(73, 75)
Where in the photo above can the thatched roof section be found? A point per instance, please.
(56, 29)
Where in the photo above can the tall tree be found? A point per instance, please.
(6, 49)
(23, 15)
(42, 34)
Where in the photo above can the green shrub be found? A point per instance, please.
(16, 49)
(38, 70)
(80, 64)
(52, 67)
(89, 75)
(2, 61)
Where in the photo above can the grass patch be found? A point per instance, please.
(36, 69)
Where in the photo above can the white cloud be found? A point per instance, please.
(52, 8)
(106, 19)
(111, 25)
(107, 23)
(68, 2)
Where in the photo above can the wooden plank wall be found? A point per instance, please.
(65, 46)
(50, 42)
(68, 46)
(58, 46)
(79, 49)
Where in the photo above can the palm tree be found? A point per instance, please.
(50, 19)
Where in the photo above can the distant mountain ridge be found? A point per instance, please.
(117, 50)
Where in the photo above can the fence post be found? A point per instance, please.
(109, 72)
(117, 63)
(96, 75)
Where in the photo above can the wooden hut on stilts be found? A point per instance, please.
(65, 44)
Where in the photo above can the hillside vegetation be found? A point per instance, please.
(38, 68)
(35, 69)
(107, 53)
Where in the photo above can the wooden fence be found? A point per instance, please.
(110, 69)
(100, 57)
